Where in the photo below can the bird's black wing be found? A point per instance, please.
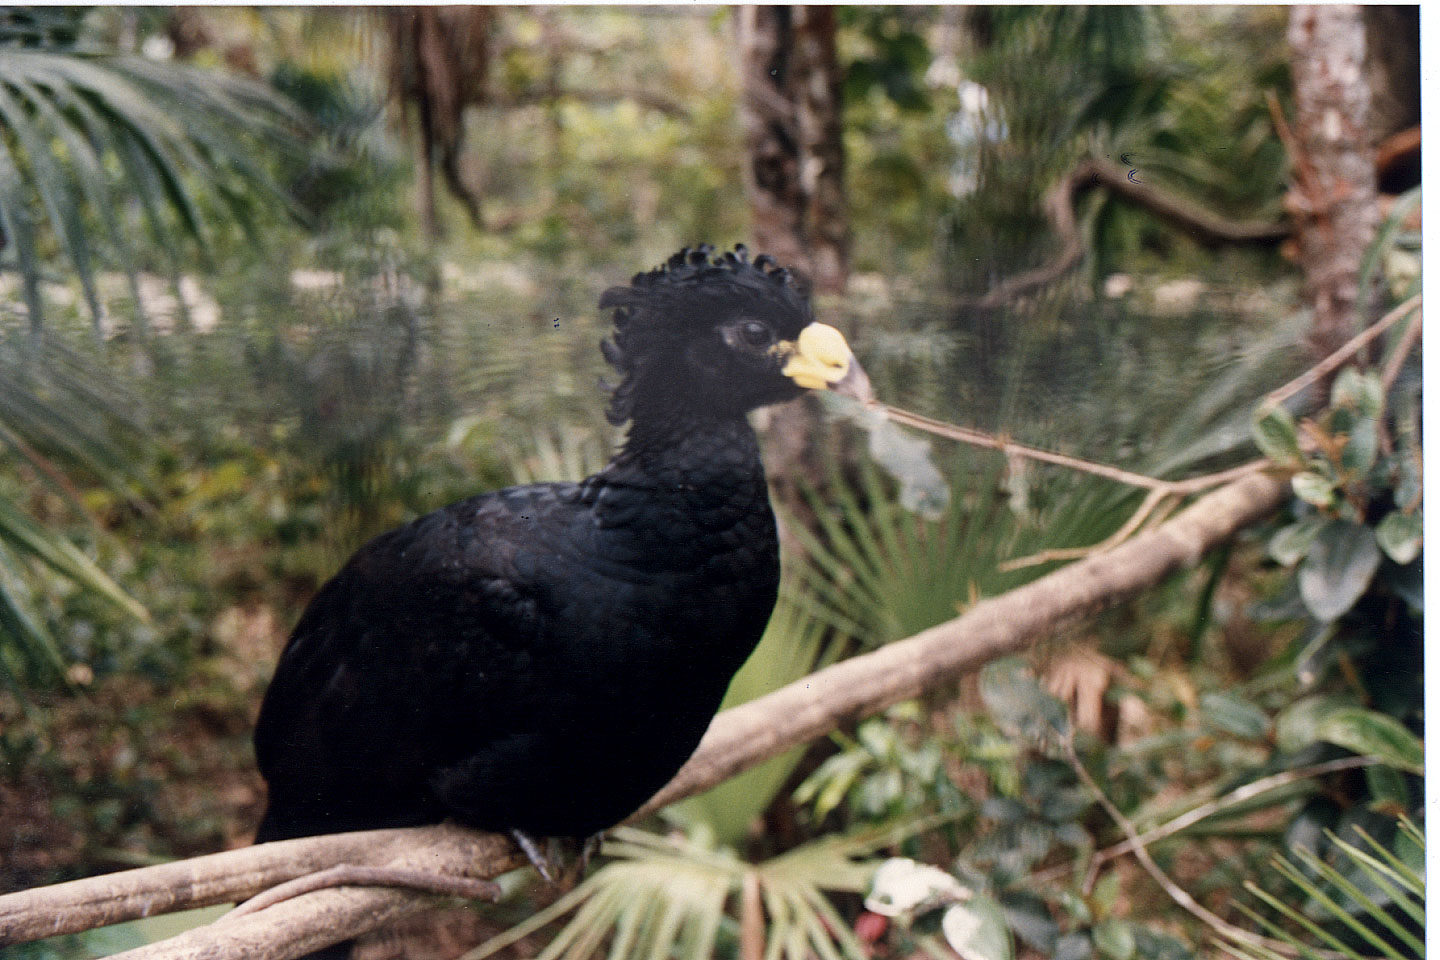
(396, 667)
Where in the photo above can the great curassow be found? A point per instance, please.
(541, 659)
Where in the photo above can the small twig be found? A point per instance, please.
(1344, 353)
(1151, 501)
(1160, 491)
(979, 438)
(1304, 168)
(1183, 899)
(1408, 339)
(354, 875)
(1212, 807)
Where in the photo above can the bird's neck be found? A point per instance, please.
(703, 475)
(691, 453)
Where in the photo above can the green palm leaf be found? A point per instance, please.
(1354, 903)
(81, 129)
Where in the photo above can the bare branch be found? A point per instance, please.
(1196, 221)
(1344, 352)
(738, 739)
(1183, 899)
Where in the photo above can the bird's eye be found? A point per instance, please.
(756, 334)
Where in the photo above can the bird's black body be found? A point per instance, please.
(544, 658)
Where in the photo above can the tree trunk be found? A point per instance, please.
(794, 179)
(439, 62)
(794, 170)
(1336, 196)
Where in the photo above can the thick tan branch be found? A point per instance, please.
(1009, 623)
(738, 739)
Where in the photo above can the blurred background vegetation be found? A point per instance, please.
(275, 280)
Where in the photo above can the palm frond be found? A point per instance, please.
(82, 129)
(664, 898)
(1357, 904)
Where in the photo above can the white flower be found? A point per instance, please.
(901, 885)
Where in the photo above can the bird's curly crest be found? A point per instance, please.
(692, 285)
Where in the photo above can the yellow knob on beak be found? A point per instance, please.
(820, 359)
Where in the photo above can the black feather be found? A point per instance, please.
(546, 657)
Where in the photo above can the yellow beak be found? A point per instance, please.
(820, 359)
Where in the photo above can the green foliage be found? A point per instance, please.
(1357, 505)
(887, 771)
(89, 137)
(1353, 541)
(894, 58)
(1366, 898)
(60, 422)
(667, 896)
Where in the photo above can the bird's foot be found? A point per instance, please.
(550, 862)
(539, 859)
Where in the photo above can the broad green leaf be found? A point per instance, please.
(1362, 392)
(1229, 713)
(1298, 725)
(1293, 542)
(1313, 488)
(1018, 704)
(1030, 920)
(1274, 431)
(1074, 946)
(976, 930)
(1387, 788)
(1401, 535)
(1361, 446)
(1115, 939)
(1371, 733)
(1338, 568)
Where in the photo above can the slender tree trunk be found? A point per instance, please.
(794, 171)
(1335, 166)
(440, 59)
(794, 179)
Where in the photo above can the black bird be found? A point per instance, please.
(542, 659)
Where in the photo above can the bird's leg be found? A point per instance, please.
(588, 848)
(539, 859)
(551, 862)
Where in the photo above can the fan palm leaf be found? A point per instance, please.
(92, 142)
(80, 129)
(666, 897)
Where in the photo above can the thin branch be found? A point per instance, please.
(1408, 339)
(1147, 506)
(1059, 206)
(1162, 493)
(1347, 350)
(1211, 808)
(737, 740)
(1183, 899)
(979, 438)
(349, 875)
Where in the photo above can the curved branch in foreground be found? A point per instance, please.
(738, 739)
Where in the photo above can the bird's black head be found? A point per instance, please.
(720, 336)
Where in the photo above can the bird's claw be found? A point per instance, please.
(550, 862)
